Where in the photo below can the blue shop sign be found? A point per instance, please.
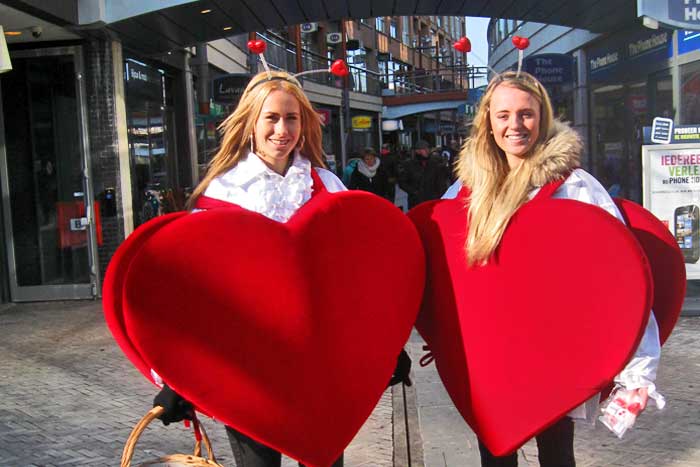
(684, 11)
(550, 69)
(680, 14)
(681, 134)
(688, 41)
(635, 53)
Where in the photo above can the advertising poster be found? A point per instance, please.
(672, 194)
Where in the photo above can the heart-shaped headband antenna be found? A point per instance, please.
(258, 47)
(520, 43)
(337, 68)
(464, 45)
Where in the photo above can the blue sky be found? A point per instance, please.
(476, 32)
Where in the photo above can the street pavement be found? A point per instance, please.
(68, 397)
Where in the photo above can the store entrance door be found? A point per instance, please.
(48, 213)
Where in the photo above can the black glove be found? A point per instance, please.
(176, 408)
(403, 368)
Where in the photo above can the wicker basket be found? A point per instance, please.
(172, 460)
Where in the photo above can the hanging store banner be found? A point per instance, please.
(144, 81)
(672, 194)
(680, 14)
(362, 122)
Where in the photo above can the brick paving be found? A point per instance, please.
(68, 397)
(670, 437)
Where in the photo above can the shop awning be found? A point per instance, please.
(154, 29)
(398, 111)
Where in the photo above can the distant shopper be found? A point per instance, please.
(369, 175)
(390, 161)
(423, 177)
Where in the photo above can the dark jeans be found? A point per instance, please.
(250, 453)
(555, 446)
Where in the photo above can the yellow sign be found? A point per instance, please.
(362, 122)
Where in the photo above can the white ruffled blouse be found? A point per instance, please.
(254, 186)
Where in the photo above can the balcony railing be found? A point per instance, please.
(281, 54)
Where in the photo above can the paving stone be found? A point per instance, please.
(70, 398)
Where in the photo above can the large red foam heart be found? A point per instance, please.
(666, 260)
(287, 332)
(545, 326)
(113, 287)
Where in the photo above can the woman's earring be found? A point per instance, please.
(251, 144)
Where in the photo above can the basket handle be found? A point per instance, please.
(152, 414)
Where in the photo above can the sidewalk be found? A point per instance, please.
(69, 397)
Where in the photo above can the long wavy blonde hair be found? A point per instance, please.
(238, 127)
(496, 191)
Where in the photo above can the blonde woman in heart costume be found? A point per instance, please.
(517, 146)
(270, 161)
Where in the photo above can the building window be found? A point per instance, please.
(379, 23)
(394, 28)
(690, 90)
(405, 31)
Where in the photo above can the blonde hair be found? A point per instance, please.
(239, 127)
(496, 191)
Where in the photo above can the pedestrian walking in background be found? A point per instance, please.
(390, 161)
(369, 175)
(423, 177)
(517, 145)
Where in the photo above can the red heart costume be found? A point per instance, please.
(264, 324)
(554, 316)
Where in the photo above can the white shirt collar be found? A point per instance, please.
(254, 186)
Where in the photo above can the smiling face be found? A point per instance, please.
(514, 115)
(277, 129)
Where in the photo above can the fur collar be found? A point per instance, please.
(558, 156)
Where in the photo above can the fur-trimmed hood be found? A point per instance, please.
(558, 156)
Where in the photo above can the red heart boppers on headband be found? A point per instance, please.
(463, 45)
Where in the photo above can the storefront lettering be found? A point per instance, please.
(680, 159)
(608, 59)
(691, 13)
(644, 45)
(138, 74)
(224, 90)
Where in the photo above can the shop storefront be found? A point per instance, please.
(51, 239)
(151, 126)
(630, 83)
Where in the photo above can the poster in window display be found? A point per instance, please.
(672, 194)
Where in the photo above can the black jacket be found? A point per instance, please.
(423, 179)
(378, 184)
